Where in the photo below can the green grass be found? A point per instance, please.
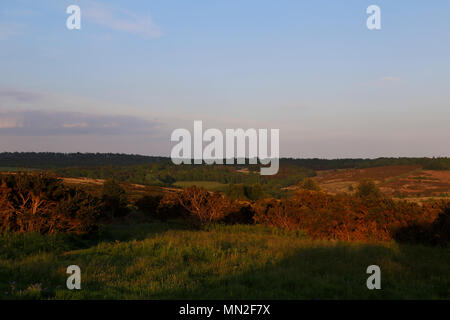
(208, 185)
(168, 261)
(400, 176)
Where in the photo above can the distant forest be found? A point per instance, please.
(50, 160)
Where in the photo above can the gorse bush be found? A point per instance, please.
(169, 207)
(161, 207)
(115, 201)
(240, 213)
(436, 232)
(441, 227)
(368, 189)
(197, 206)
(343, 217)
(40, 203)
(278, 213)
(366, 216)
(203, 207)
(309, 184)
(148, 204)
(244, 192)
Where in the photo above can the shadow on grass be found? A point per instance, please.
(31, 259)
(141, 231)
(339, 272)
(307, 270)
(318, 272)
(15, 245)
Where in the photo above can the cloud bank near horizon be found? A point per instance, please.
(55, 123)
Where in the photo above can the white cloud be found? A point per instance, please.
(46, 123)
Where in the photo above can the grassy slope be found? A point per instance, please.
(208, 185)
(159, 260)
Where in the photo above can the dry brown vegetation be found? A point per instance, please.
(204, 207)
(39, 203)
(367, 215)
(409, 182)
(134, 191)
(42, 204)
(343, 216)
(333, 213)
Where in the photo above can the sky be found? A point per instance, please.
(137, 70)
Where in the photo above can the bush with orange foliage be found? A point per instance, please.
(343, 217)
(40, 203)
(284, 213)
(368, 216)
(203, 207)
(169, 207)
(436, 232)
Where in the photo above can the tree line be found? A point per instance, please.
(63, 160)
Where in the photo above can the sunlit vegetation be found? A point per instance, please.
(40, 203)
(158, 260)
(156, 230)
(208, 185)
(213, 177)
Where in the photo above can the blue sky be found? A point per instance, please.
(139, 69)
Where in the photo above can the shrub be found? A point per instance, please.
(367, 188)
(40, 203)
(441, 227)
(436, 232)
(309, 184)
(203, 207)
(81, 212)
(414, 233)
(149, 204)
(169, 207)
(278, 213)
(114, 199)
(244, 192)
(240, 213)
(343, 217)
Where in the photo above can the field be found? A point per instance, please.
(409, 182)
(134, 191)
(208, 185)
(157, 260)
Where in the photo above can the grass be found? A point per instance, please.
(167, 261)
(208, 185)
(400, 176)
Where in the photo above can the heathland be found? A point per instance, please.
(142, 228)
